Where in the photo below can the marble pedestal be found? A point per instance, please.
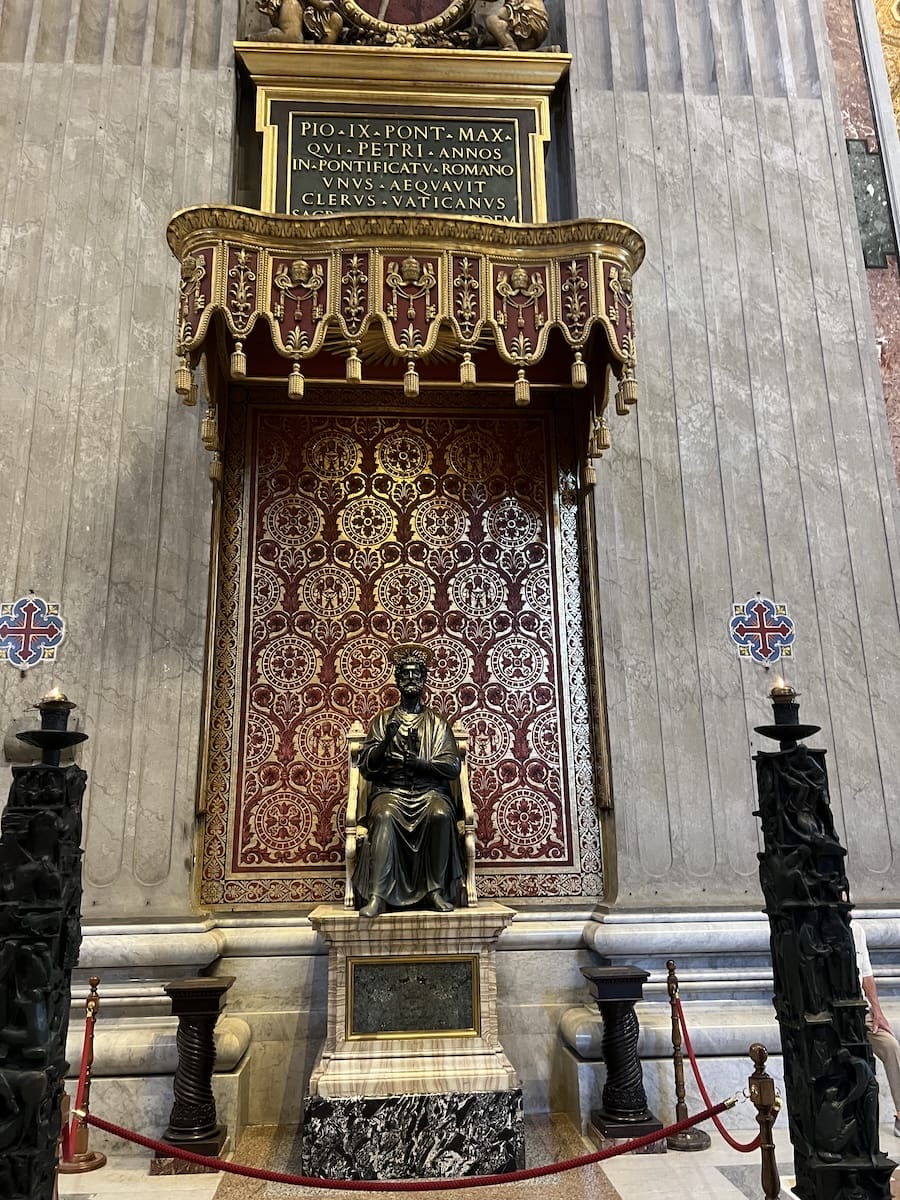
(412, 1081)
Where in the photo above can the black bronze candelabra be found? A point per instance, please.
(40, 935)
(830, 1086)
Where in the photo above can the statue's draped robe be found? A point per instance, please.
(412, 845)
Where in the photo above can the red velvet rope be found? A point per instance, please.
(743, 1147)
(403, 1185)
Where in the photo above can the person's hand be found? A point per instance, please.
(391, 730)
(880, 1021)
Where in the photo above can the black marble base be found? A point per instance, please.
(414, 1137)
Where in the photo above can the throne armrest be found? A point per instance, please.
(467, 823)
(353, 831)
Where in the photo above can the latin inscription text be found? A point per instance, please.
(456, 167)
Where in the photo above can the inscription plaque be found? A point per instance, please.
(435, 995)
(422, 160)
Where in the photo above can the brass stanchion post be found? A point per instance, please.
(83, 1158)
(762, 1092)
(688, 1139)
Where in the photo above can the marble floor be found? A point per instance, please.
(719, 1173)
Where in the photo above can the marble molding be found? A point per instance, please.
(420, 1063)
(415, 1136)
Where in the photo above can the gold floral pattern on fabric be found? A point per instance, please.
(889, 25)
(343, 534)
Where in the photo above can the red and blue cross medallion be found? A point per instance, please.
(30, 631)
(762, 630)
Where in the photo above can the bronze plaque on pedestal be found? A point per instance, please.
(413, 996)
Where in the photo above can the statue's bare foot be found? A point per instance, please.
(438, 903)
(374, 908)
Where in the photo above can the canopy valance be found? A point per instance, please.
(412, 299)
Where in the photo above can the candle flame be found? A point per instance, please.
(782, 689)
(54, 694)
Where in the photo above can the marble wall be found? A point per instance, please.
(759, 457)
(115, 113)
(756, 460)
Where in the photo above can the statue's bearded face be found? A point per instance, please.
(410, 677)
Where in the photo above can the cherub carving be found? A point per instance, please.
(512, 24)
(289, 18)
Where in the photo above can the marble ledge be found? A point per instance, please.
(666, 935)
(148, 1047)
(199, 943)
(193, 946)
(720, 1030)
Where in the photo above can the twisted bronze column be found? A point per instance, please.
(193, 1123)
(624, 1112)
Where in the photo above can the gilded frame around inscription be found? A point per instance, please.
(393, 960)
(452, 82)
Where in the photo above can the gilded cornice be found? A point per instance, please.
(301, 65)
(248, 226)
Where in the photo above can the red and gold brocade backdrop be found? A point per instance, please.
(344, 532)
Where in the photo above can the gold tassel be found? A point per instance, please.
(467, 370)
(184, 378)
(589, 474)
(295, 383)
(522, 391)
(411, 381)
(215, 469)
(209, 433)
(190, 400)
(599, 438)
(354, 366)
(627, 392)
(579, 371)
(238, 362)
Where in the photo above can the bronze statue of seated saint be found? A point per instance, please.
(410, 824)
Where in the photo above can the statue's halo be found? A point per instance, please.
(411, 652)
